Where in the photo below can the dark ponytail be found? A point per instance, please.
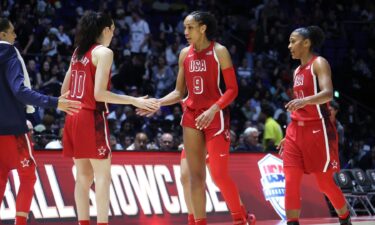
(314, 33)
(206, 18)
(89, 29)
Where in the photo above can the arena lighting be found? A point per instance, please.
(336, 94)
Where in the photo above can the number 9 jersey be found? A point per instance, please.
(202, 77)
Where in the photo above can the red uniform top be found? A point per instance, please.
(306, 84)
(202, 77)
(82, 81)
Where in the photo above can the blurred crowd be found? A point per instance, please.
(146, 45)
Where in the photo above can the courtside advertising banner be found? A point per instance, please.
(146, 189)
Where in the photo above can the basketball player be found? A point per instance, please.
(205, 120)
(310, 145)
(86, 137)
(15, 144)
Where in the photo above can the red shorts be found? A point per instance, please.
(219, 125)
(16, 151)
(311, 146)
(86, 135)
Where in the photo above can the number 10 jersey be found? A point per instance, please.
(82, 81)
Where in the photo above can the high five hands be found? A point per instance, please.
(148, 107)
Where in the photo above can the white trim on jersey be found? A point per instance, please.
(315, 80)
(29, 148)
(295, 73)
(218, 69)
(326, 146)
(106, 133)
(221, 123)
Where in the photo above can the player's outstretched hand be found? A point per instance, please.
(144, 112)
(68, 106)
(149, 104)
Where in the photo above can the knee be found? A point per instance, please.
(85, 179)
(197, 179)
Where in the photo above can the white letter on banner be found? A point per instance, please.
(180, 190)
(145, 189)
(114, 202)
(220, 206)
(64, 211)
(128, 205)
(171, 204)
(47, 211)
(91, 194)
(8, 213)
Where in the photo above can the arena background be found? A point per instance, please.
(256, 34)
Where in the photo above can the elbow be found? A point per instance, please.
(233, 92)
(98, 95)
(330, 96)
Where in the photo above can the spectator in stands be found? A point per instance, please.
(114, 144)
(50, 43)
(334, 108)
(272, 133)
(140, 34)
(166, 142)
(126, 140)
(35, 76)
(64, 41)
(140, 143)
(162, 77)
(250, 141)
(244, 71)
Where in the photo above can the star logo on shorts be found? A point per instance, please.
(25, 162)
(102, 150)
(334, 164)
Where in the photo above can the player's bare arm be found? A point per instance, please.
(180, 90)
(178, 93)
(103, 58)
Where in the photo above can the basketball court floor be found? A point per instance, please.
(362, 220)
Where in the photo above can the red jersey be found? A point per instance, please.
(202, 77)
(82, 81)
(306, 84)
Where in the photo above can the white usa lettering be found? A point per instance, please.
(298, 80)
(198, 66)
